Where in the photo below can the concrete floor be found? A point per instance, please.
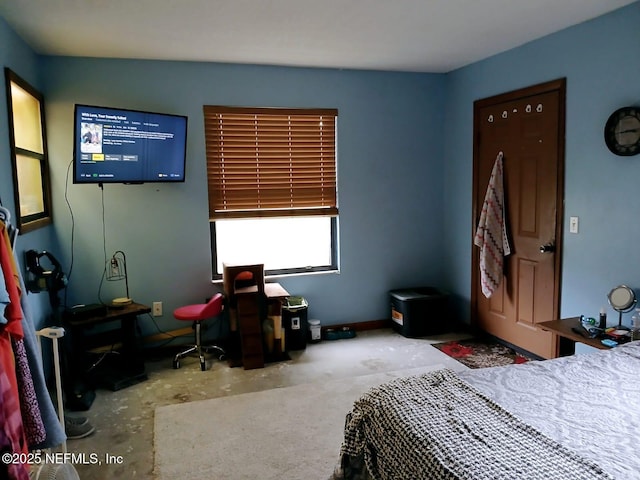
(123, 439)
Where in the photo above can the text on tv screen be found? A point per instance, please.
(128, 146)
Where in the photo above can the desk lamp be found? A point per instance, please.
(116, 271)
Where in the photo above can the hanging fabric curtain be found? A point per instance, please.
(491, 234)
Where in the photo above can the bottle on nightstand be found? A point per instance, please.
(635, 326)
(602, 323)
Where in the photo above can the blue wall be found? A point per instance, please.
(16, 55)
(601, 62)
(389, 180)
(405, 170)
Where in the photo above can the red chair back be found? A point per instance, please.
(213, 307)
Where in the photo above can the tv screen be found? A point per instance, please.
(114, 145)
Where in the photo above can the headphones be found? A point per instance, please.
(40, 279)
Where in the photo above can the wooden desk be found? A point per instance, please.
(128, 367)
(566, 338)
(276, 295)
(249, 312)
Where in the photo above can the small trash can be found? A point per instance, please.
(315, 331)
(294, 322)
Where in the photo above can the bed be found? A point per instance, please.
(570, 418)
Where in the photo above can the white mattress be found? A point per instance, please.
(589, 403)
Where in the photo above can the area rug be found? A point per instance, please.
(284, 433)
(478, 353)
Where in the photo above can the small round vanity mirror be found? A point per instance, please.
(622, 299)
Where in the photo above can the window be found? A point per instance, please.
(272, 188)
(28, 154)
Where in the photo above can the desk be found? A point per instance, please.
(566, 338)
(248, 314)
(276, 295)
(128, 369)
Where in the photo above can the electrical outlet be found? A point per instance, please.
(573, 225)
(157, 309)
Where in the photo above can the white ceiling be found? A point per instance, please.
(402, 35)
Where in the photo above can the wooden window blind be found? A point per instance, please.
(268, 162)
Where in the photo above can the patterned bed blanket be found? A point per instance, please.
(437, 426)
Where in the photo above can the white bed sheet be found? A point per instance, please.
(589, 403)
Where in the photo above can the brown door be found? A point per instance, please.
(528, 127)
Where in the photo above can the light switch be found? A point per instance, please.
(573, 225)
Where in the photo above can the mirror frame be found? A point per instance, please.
(627, 306)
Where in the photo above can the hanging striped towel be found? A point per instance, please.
(491, 235)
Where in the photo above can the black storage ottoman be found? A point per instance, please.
(419, 311)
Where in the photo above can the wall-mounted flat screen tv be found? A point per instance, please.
(114, 145)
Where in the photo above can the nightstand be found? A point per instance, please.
(566, 338)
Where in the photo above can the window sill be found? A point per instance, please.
(288, 275)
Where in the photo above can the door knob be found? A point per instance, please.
(548, 248)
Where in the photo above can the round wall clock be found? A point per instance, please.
(622, 131)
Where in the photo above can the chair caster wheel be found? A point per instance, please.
(222, 357)
(203, 366)
(176, 364)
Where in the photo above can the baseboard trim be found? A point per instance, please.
(360, 326)
(162, 336)
(357, 326)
